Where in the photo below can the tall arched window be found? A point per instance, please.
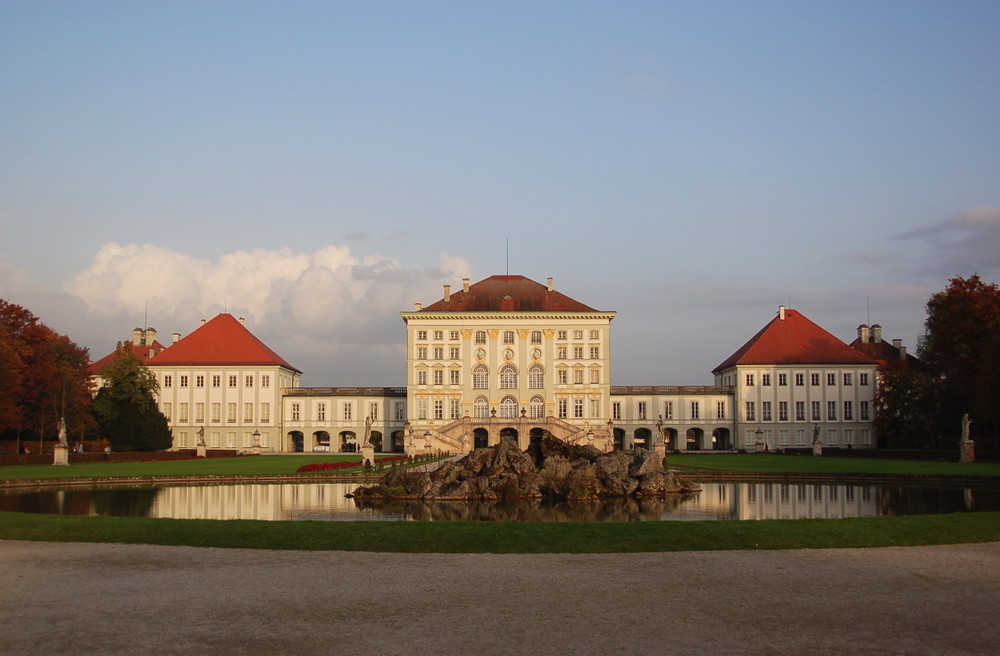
(481, 407)
(537, 407)
(508, 377)
(508, 407)
(480, 377)
(536, 376)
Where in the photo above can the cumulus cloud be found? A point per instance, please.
(328, 312)
(963, 244)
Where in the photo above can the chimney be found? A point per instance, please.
(898, 345)
(447, 293)
(243, 321)
(549, 281)
(417, 306)
(781, 312)
(137, 337)
(465, 285)
(150, 336)
(864, 334)
(876, 334)
(176, 337)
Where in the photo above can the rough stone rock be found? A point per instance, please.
(644, 463)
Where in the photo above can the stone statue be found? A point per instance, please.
(62, 431)
(368, 431)
(201, 436)
(815, 433)
(966, 427)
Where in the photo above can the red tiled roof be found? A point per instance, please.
(221, 341)
(884, 352)
(508, 294)
(794, 340)
(142, 351)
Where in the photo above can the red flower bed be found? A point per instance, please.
(347, 464)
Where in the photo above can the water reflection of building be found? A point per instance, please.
(270, 502)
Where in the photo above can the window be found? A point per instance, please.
(184, 381)
(421, 408)
(168, 410)
(455, 377)
(455, 353)
(216, 381)
(265, 380)
(783, 441)
(536, 337)
(866, 437)
(217, 413)
(168, 381)
(230, 413)
(248, 413)
(864, 411)
(577, 352)
(578, 376)
(508, 377)
(348, 411)
(782, 410)
(199, 412)
(577, 408)
(863, 380)
(265, 412)
(480, 337)
(814, 379)
(847, 379)
(421, 377)
(849, 437)
(595, 376)
(561, 353)
(782, 380)
(577, 334)
(480, 408)
(455, 407)
(199, 381)
(439, 353)
(561, 376)
(536, 377)
(641, 407)
(616, 410)
(400, 411)
(749, 380)
(831, 379)
(848, 411)
(438, 408)
(800, 411)
(508, 337)
(248, 382)
(439, 377)
(695, 410)
(814, 407)
(751, 411)
(765, 380)
(232, 380)
(595, 407)
(537, 406)
(438, 335)
(800, 380)
(508, 407)
(421, 334)
(421, 352)
(561, 334)
(595, 352)
(668, 409)
(800, 440)
(765, 411)
(321, 411)
(296, 411)
(373, 411)
(453, 335)
(594, 334)
(831, 410)
(480, 375)
(561, 406)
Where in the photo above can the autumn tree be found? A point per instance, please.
(125, 407)
(904, 406)
(961, 343)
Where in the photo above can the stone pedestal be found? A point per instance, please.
(368, 454)
(967, 451)
(817, 448)
(61, 455)
(200, 450)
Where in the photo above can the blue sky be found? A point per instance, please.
(319, 166)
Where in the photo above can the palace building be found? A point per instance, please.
(511, 358)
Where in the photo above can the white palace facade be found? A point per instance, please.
(511, 358)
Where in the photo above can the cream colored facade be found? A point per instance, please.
(337, 419)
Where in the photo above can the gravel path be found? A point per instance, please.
(136, 599)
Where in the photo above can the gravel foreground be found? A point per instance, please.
(140, 599)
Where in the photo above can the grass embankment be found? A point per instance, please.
(511, 537)
(763, 463)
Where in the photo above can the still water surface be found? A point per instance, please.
(328, 502)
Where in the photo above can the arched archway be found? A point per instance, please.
(695, 437)
(721, 440)
(296, 441)
(619, 439)
(321, 441)
(480, 438)
(348, 442)
(397, 442)
(535, 436)
(509, 434)
(642, 437)
(670, 439)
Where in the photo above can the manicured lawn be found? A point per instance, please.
(786, 464)
(511, 537)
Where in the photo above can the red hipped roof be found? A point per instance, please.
(508, 294)
(220, 341)
(794, 340)
(142, 351)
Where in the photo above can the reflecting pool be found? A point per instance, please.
(328, 502)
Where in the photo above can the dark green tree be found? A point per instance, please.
(125, 406)
(904, 416)
(962, 345)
